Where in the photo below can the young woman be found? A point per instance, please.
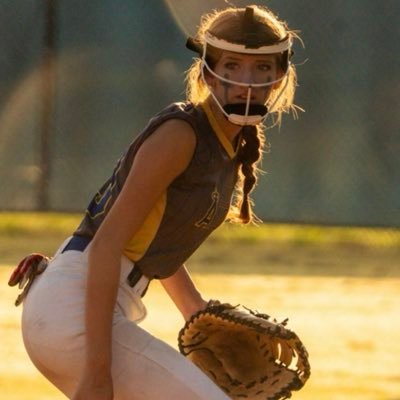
(168, 192)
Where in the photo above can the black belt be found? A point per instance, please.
(79, 243)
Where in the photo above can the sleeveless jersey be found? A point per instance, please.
(193, 205)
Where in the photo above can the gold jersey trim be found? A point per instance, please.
(141, 241)
(218, 130)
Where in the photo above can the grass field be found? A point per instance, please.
(340, 288)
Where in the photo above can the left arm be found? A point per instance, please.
(184, 293)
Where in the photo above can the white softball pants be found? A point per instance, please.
(143, 367)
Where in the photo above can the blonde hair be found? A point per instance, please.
(227, 24)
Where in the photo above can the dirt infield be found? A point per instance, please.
(350, 326)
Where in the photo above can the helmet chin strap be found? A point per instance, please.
(245, 113)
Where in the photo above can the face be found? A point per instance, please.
(244, 68)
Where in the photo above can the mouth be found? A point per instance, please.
(243, 97)
(243, 100)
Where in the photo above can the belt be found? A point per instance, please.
(79, 243)
(136, 278)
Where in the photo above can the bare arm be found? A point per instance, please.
(184, 293)
(161, 158)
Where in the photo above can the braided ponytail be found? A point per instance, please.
(249, 156)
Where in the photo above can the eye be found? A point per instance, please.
(265, 67)
(231, 65)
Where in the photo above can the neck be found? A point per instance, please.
(230, 130)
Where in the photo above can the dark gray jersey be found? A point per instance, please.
(194, 204)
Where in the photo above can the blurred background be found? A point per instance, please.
(79, 80)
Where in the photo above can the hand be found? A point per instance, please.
(94, 388)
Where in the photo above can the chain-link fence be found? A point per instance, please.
(114, 64)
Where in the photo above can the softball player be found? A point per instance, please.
(168, 192)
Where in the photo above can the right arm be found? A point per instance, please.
(161, 158)
(184, 293)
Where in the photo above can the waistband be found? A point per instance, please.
(77, 243)
(135, 277)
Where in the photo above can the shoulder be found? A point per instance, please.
(174, 133)
(180, 111)
(170, 147)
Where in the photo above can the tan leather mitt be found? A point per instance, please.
(248, 355)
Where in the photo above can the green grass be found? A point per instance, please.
(17, 223)
(311, 234)
(29, 223)
(284, 249)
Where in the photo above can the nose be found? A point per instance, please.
(247, 74)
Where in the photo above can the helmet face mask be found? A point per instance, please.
(249, 35)
(253, 105)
